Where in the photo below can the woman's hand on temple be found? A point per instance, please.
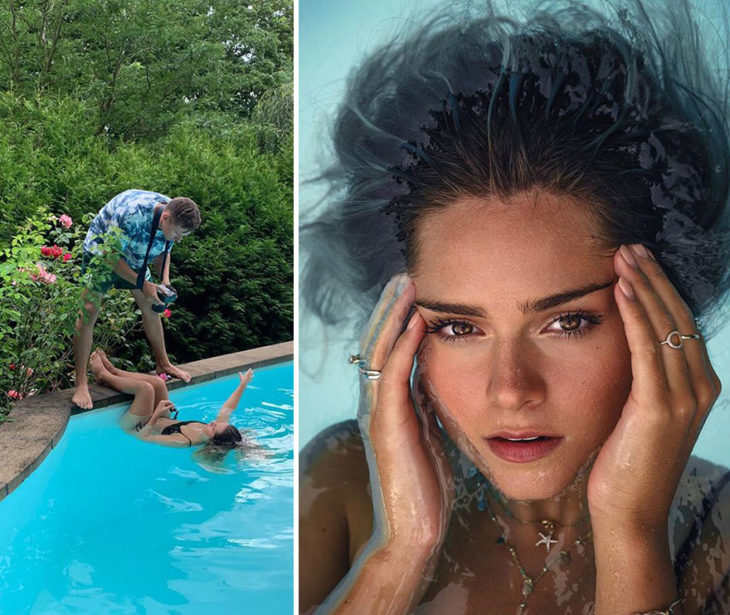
(410, 476)
(637, 471)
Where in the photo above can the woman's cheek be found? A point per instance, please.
(453, 376)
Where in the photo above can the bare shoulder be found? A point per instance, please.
(335, 456)
(334, 473)
(700, 531)
(335, 510)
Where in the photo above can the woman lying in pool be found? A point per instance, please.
(149, 417)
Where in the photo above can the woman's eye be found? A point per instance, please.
(569, 323)
(573, 324)
(452, 330)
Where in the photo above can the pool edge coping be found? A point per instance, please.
(36, 424)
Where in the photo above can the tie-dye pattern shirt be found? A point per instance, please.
(132, 212)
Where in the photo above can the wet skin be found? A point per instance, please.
(521, 331)
(501, 356)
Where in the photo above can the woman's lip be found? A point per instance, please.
(521, 435)
(523, 452)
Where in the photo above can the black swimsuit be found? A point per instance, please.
(176, 428)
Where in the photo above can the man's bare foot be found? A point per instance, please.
(173, 371)
(82, 397)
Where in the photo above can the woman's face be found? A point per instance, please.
(525, 356)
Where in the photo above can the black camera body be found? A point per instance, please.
(166, 294)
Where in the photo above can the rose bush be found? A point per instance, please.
(40, 298)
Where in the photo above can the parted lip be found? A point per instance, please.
(521, 435)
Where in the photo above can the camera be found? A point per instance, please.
(166, 294)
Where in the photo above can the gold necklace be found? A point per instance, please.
(528, 582)
(549, 526)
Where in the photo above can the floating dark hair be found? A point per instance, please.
(622, 112)
(230, 437)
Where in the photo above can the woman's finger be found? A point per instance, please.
(381, 333)
(660, 322)
(703, 379)
(394, 384)
(386, 321)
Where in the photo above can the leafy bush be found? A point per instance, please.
(187, 99)
(40, 300)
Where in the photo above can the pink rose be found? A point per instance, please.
(67, 256)
(56, 251)
(65, 220)
(47, 251)
(167, 313)
(43, 276)
(29, 371)
(163, 376)
(13, 394)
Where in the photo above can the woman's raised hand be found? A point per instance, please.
(637, 471)
(245, 378)
(410, 477)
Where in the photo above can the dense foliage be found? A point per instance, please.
(188, 99)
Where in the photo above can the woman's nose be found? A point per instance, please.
(515, 381)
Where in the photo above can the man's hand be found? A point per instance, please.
(150, 290)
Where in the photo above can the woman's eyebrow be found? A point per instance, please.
(546, 303)
(536, 305)
(462, 309)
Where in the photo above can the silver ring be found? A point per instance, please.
(673, 336)
(691, 336)
(668, 341)
(370, 374)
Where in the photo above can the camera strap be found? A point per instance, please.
(153, 231)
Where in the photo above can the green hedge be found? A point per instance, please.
(234, 275)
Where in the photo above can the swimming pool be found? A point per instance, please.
(109, 524)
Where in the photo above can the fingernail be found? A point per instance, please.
(626, 287)
(628, 256)
(412, 321)
(640, 250)
(400, 280)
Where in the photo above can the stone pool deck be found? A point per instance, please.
(37, 423)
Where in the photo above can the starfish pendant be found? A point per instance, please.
(547, 540)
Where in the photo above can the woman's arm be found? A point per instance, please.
(336, 544)
(232, 402)
(151, 427)
(175, 440)
(636, 474)
(409, 476)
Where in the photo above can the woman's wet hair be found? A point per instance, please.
(621, 112)
(230, 437)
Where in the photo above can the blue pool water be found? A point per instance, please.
(108, 524)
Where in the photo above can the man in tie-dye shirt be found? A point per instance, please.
(132, 213)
